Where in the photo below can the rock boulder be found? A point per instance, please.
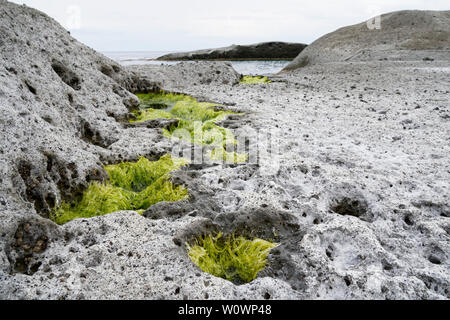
(402, 35)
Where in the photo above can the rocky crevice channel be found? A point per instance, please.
(199, 203)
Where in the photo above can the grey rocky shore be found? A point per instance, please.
(396, 36)
(356, 188)
(259, 51)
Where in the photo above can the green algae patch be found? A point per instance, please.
(132, 186)
(161, 100)
(152, 114)
(220, 154)
(199, 111)
(197, 121)
(201, 133)
(177, 106)
(254, 80)
(236, 259)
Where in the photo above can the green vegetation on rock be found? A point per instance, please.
(202, 133)
(254, 80)
(197, 122)
(132, 186)
(236, 259)
(233, 157)
(161, 100)
(152, 114)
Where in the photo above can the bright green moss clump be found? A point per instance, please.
(171, 106)
(132, 186)
(233, 157)
(161, 100)
(197, 121)
(152, 114)
(254, 80)
(233, 258)
(202, 133)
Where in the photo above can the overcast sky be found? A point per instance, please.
(155, 25)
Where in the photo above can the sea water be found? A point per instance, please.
(257, 67)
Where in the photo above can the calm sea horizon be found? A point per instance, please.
(257, 67)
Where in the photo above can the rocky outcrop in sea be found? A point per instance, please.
(259, 51)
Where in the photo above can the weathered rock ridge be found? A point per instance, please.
(400, 36)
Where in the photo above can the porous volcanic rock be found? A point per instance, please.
(401, 36)
(61, 103)
(63, 117)
(186, 74)
(348, 173)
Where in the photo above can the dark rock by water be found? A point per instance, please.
(265, 50)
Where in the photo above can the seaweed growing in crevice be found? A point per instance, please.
(131, 186)
(220, 154)
(160, 100)
(197, 122)
(234, 258)
(356, 206)
(268, 223)
(254, 80)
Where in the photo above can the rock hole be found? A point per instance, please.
(66, 75)
(30, 240)
(11, 70)
(121, 92)
(21, 264)
(434, 259)
(47, 119)
(50, 199)
(348, 280)
(92, 136)
(33, 189)
(70, 97)
(386, 265)
(35, 267)
(30, 87)
(107, 70)
(330, 252)
(24, 169)
(350, 207)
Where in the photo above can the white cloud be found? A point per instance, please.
(179, 24)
